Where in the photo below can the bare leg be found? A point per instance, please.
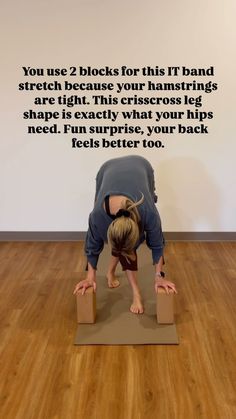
(111, 279)
(137, 306)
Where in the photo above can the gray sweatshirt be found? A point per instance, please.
(130, 176)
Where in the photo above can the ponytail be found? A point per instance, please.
(123, 233)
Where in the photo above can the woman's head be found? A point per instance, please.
(123, 232)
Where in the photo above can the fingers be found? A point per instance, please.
(82, 285)
(172, 286)
(174, 289)
(166, 288)
(167, 285)
(76, 289)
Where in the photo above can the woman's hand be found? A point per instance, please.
(161, 282)
(84, 284)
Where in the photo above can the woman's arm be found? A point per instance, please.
(154, 237)
(90, 281)
(93, 243)
(160, 280)
(93, 247)
(155, 241)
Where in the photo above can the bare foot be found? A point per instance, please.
(137, 306)
(112, 281)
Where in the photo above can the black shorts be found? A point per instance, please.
(127, 264)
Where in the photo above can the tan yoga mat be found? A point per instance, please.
(115, 324)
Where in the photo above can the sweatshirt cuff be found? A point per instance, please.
(93, 260)
(156, 254)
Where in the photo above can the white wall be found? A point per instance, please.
(48, 186)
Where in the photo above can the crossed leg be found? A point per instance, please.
(111, 279)
(137, 305)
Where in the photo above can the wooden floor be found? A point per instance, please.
(43, 375)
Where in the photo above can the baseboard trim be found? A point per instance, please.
(200, 236)
(80, 235)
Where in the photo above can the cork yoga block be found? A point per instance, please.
(165, 306)
(86, 306)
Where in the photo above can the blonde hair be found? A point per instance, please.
(123, 232)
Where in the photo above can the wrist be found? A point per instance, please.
(159, 275)
(91, 273)
(91, 278)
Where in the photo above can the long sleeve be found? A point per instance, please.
(93, 244)
(154, 236)
(130, 176)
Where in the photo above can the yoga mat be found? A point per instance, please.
(115, 324)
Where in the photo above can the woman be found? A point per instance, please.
(125, 215)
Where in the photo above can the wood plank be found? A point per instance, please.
(43, 375)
